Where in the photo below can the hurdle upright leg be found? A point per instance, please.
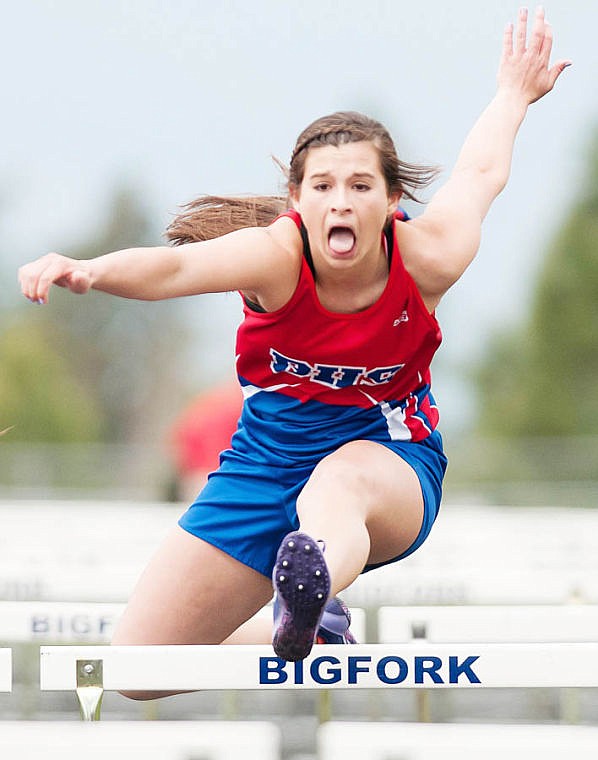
(90, 688)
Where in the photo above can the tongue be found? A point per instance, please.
(341, 240)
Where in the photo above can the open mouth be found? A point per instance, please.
(341, 240)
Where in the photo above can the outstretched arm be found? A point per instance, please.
(442, 242)
(255, 260)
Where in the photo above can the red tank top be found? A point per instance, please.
(362, 359)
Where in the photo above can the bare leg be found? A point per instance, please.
(366, 503)
(191, 593)
(257, 630)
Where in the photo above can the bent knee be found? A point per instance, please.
(341, 474)
(344, 468)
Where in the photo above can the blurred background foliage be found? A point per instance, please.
(541, 379)
(535, 439)
(93, 368)
(40, 396)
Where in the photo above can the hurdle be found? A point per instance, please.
(490, 623)
(82, 622)
(450, 741)
(532, 624)
(68, 622)
(89, 671)
(5, 669)
(140, 740)
(48, 622)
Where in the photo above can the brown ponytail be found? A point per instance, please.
(212, 215)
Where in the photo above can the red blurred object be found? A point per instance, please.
(205, 428)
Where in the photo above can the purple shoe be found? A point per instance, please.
(302, 586)
(334, 625)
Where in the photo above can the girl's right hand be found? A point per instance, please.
(37, 277)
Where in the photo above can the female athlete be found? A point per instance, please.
(336, 466)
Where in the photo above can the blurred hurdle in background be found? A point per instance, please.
(71, 622)
(5, 669)
(490, 623)
(474, 555)
(383, 741)
(139, 740)
(94, 622)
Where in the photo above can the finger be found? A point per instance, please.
(51, 272)
(23, 282)
(555, 72)
(507, 41)
(521, 33)
(27, 282)
(538, 31)
(38, 292)
(546, 45)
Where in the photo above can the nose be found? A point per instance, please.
(339, 201)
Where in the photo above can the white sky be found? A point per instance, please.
(188, 97)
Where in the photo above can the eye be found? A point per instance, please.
(321, 186)
(361, 187)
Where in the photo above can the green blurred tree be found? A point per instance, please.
(541, 379)
(40, 399)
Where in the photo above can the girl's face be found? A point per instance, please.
(344, 203)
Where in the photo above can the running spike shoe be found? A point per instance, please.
(334, 625)
(302, 585)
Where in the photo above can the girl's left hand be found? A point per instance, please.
(524, 70)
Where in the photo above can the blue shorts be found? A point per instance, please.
(249, 504)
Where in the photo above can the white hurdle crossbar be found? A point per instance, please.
(86, 622)
(91, 670)
(5, 669)
(566, 624)
(455, 741)
(494, 623)
(49, 622)
(139, 740)
(65, 622)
